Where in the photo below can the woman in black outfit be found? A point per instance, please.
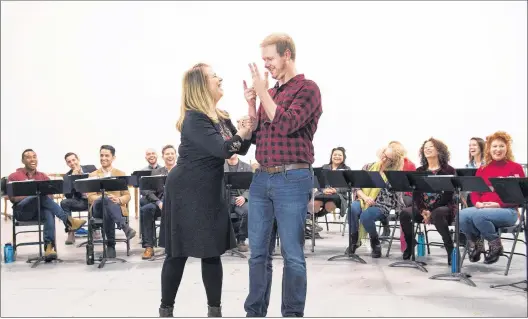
(436, 208)
(196, 221)
(332, 198)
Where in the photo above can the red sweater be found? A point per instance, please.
(408, 165)
(496, 170)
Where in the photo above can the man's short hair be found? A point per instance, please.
(27, 150)
(167, 147)
(109, 148)
(282, 41)
(70, 154)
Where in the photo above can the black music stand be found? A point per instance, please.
(100, 185)
(514, 191)
(466, 171)
(153, 183)
(236, 180)
(458, 185)
(353, 179)
(38, 189)
(69, 180)
(403, 181)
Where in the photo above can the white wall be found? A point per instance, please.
(76, 75)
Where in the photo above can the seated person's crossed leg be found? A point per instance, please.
(26, 210)
(70, 205)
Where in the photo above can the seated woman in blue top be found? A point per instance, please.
(373, 204)
(332, 197)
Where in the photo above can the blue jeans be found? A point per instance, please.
(26, 210)
(477, 222)
(284, 197)
(368, 218)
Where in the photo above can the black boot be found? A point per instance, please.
(476, 249)
(214, 311)
(449, 250)
(166, 312)
(495, 251)
(407, 253)
(376, 246)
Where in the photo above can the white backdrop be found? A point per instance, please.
(76, 75)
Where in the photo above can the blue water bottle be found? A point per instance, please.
(9, 256)
(454, 260)
(421, 244)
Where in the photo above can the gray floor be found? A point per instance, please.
(335, 289)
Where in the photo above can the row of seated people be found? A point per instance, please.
(371, 205)
(25, 207)
(492, 157)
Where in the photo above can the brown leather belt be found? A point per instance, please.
(283, 168)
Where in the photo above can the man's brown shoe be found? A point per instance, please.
(148, 253)
(50, 252)
(71, 238)
(75, 223)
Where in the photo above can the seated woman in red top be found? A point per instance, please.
(490, 212)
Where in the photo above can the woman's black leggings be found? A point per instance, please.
(172, 272)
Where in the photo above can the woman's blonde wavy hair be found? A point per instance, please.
(398, 153)
(196, 96)
(503, 136)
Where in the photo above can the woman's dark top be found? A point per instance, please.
(431, 201)
(340, 197)
(195, 215)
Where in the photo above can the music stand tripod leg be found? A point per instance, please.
(457, 275)
(413, 262)
(523, 227)
(348, 255)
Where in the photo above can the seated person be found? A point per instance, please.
(489, 212)
(152, 159)
(25, 207)
(476, 159)
(239, 201)
(330, 197)
(438, 208)
(375, 204)
(152, 209)
(76, 201)
(408, 166)
(115, 202)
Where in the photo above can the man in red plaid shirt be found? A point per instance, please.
(284, 128)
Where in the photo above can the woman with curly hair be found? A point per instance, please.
(436, 208)
(375, 204)
(490, 212)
